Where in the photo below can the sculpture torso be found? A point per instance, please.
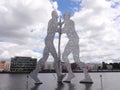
(51, 30)
(69, 29)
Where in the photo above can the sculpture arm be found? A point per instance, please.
(59, 30)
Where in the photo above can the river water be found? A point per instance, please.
(102, 81)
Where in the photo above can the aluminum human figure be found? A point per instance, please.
(72, 47)
(49, 48)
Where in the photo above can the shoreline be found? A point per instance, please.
(93, 71)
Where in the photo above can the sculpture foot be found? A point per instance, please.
(38, 83)
(67, 81)
(69, 78)
(86, 81)
(59, 82)
(34, 77)
(60, 78)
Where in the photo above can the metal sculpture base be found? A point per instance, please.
(67, 81)
(86, 81)
(38, 83)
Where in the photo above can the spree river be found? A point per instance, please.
(102, 81)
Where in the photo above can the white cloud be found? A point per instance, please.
(23, 26)
(54, 5)
(99, 35)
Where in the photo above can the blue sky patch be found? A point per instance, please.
(38, 50)
(68, 6)
(1, 40)
(115, 4)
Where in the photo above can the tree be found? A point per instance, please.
(104, 65)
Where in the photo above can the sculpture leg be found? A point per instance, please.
(35, 72)
(82, 66)
(57, 65)
(40, 63)
(58, 71)
(68, 65)
(85, 71)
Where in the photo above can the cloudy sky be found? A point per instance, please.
(23, 27)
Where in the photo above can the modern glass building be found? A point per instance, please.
(22, 64)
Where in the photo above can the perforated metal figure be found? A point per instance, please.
(72, 47)
(49, 48)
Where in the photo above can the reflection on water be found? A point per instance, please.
(88, 86)
(71, 86)
(36, 87)
(62, 86)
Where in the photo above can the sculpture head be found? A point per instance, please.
(54, 14)
(67, 16)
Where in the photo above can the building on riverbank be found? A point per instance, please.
(22, 64)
